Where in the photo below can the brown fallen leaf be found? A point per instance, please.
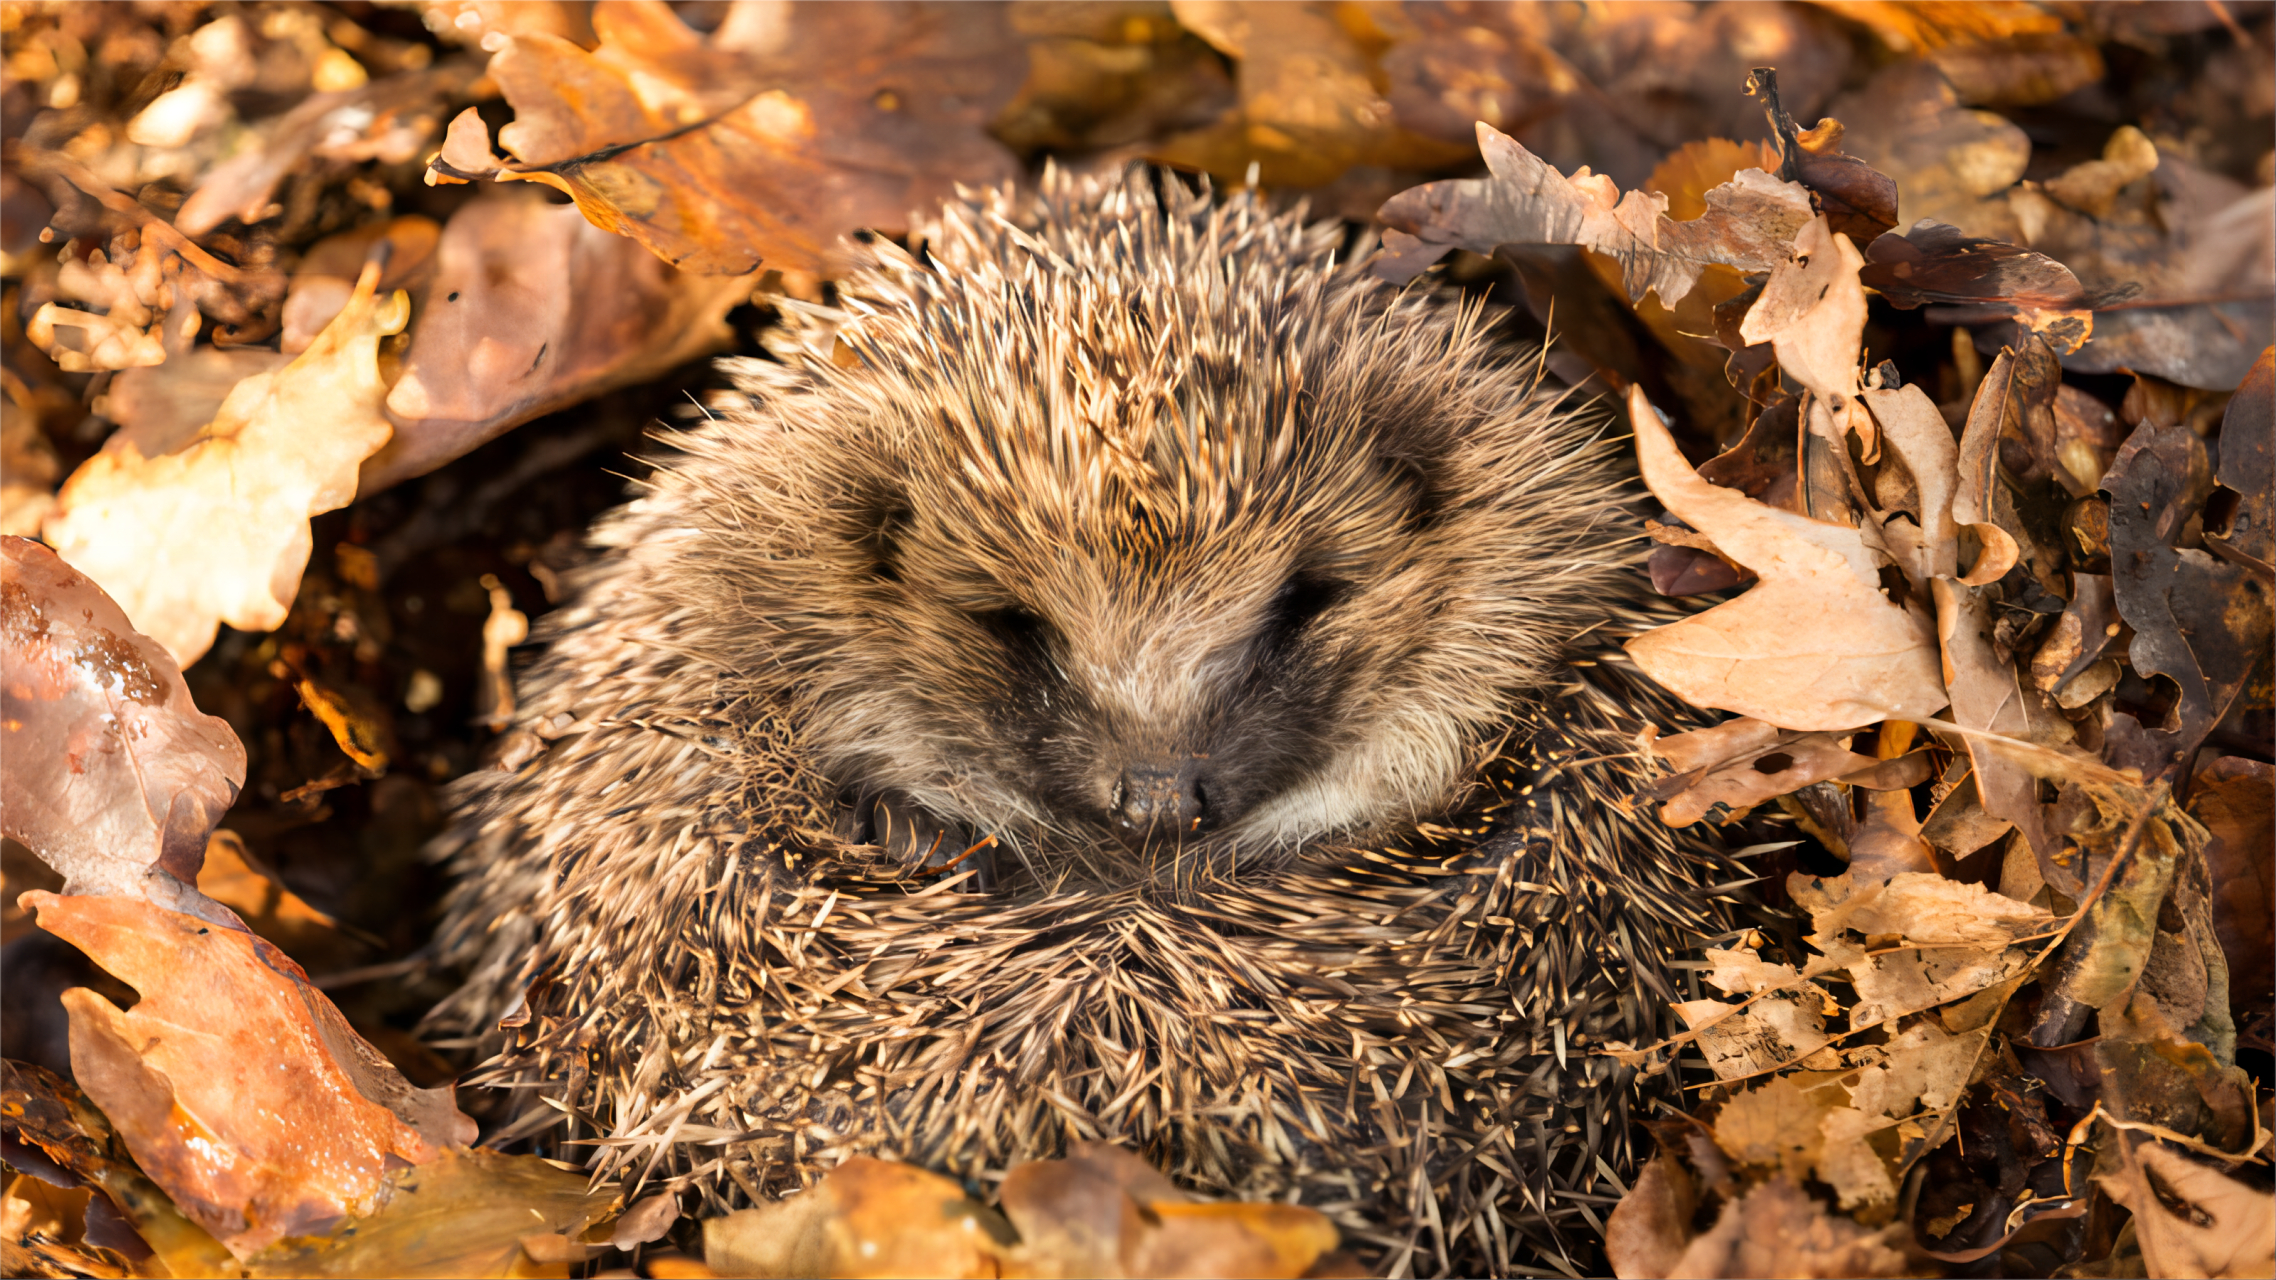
(1772, 1230)
(1750, 221)
(867, 1218)
(253, 1145)
(1951, 163)
(114, 777)
(2180, 258)
(1812, 312)
(1111, 75)
(1101, 1211)
(1104, 1212)
(326, 277)
(50, 1116)
(152, 528)
(463, 1213)
(1743, 762)
(501, 338)
(1308, 106)
(769, 139)
(2191, 1219)
(390, 120)
(231, 877)
(1815, 645)
(1936, 263)
(2202, 622)
(2236, 800)
(43, 1232)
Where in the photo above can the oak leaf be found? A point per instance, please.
(1815, 645)
(238, 1086)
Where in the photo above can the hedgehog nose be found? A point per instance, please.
(1151, 799)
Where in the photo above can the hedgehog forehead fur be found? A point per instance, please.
(1150, 489)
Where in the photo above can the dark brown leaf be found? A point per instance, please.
(2202, 622)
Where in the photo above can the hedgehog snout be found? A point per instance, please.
(1161, 798)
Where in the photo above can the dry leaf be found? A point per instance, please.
(326, 277)
(1774, 1031)
(1104, 1212)
(1308, 101)
(765, 142)
(867, 1218)
(231, 878)
(1952, 164)
(217, 530)
(114, 777)
(471, 1213)
(390, 120)
(2204, 623)
(1743, 762)
(237, 1085)
(501, 336)
(1816, 645)
(51, 1116)
(1812, 312)
(1777, 1230)
(1750, 221)
(2192, 1220)
(2236, 800)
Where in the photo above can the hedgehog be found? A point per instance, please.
(1119, 672)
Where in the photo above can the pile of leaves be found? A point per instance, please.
(1939, 639)
(1954, 406)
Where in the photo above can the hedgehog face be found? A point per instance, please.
(1143, 549)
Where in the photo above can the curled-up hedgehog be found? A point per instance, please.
(1122, 674)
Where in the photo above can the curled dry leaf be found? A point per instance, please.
(867, 1218)
(1743, 762)
(217, 530)
(2202, 622)
(238, 1086)
(502, 338)
(770, 139)
(1937, 263)
(1750, 221)
(114, 777)
(463, 1213)
(1101, 1211)
(2191, 1219)
(1815, 645)
(1774, 1229)
(1812, 312)
(390, 120)
(49, 1115)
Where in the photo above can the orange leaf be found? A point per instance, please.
(237, 1086)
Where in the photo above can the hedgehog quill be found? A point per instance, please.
(1122, 673)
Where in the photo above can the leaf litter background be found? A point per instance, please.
(1942, 329)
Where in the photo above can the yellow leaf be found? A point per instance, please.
(217, 530)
